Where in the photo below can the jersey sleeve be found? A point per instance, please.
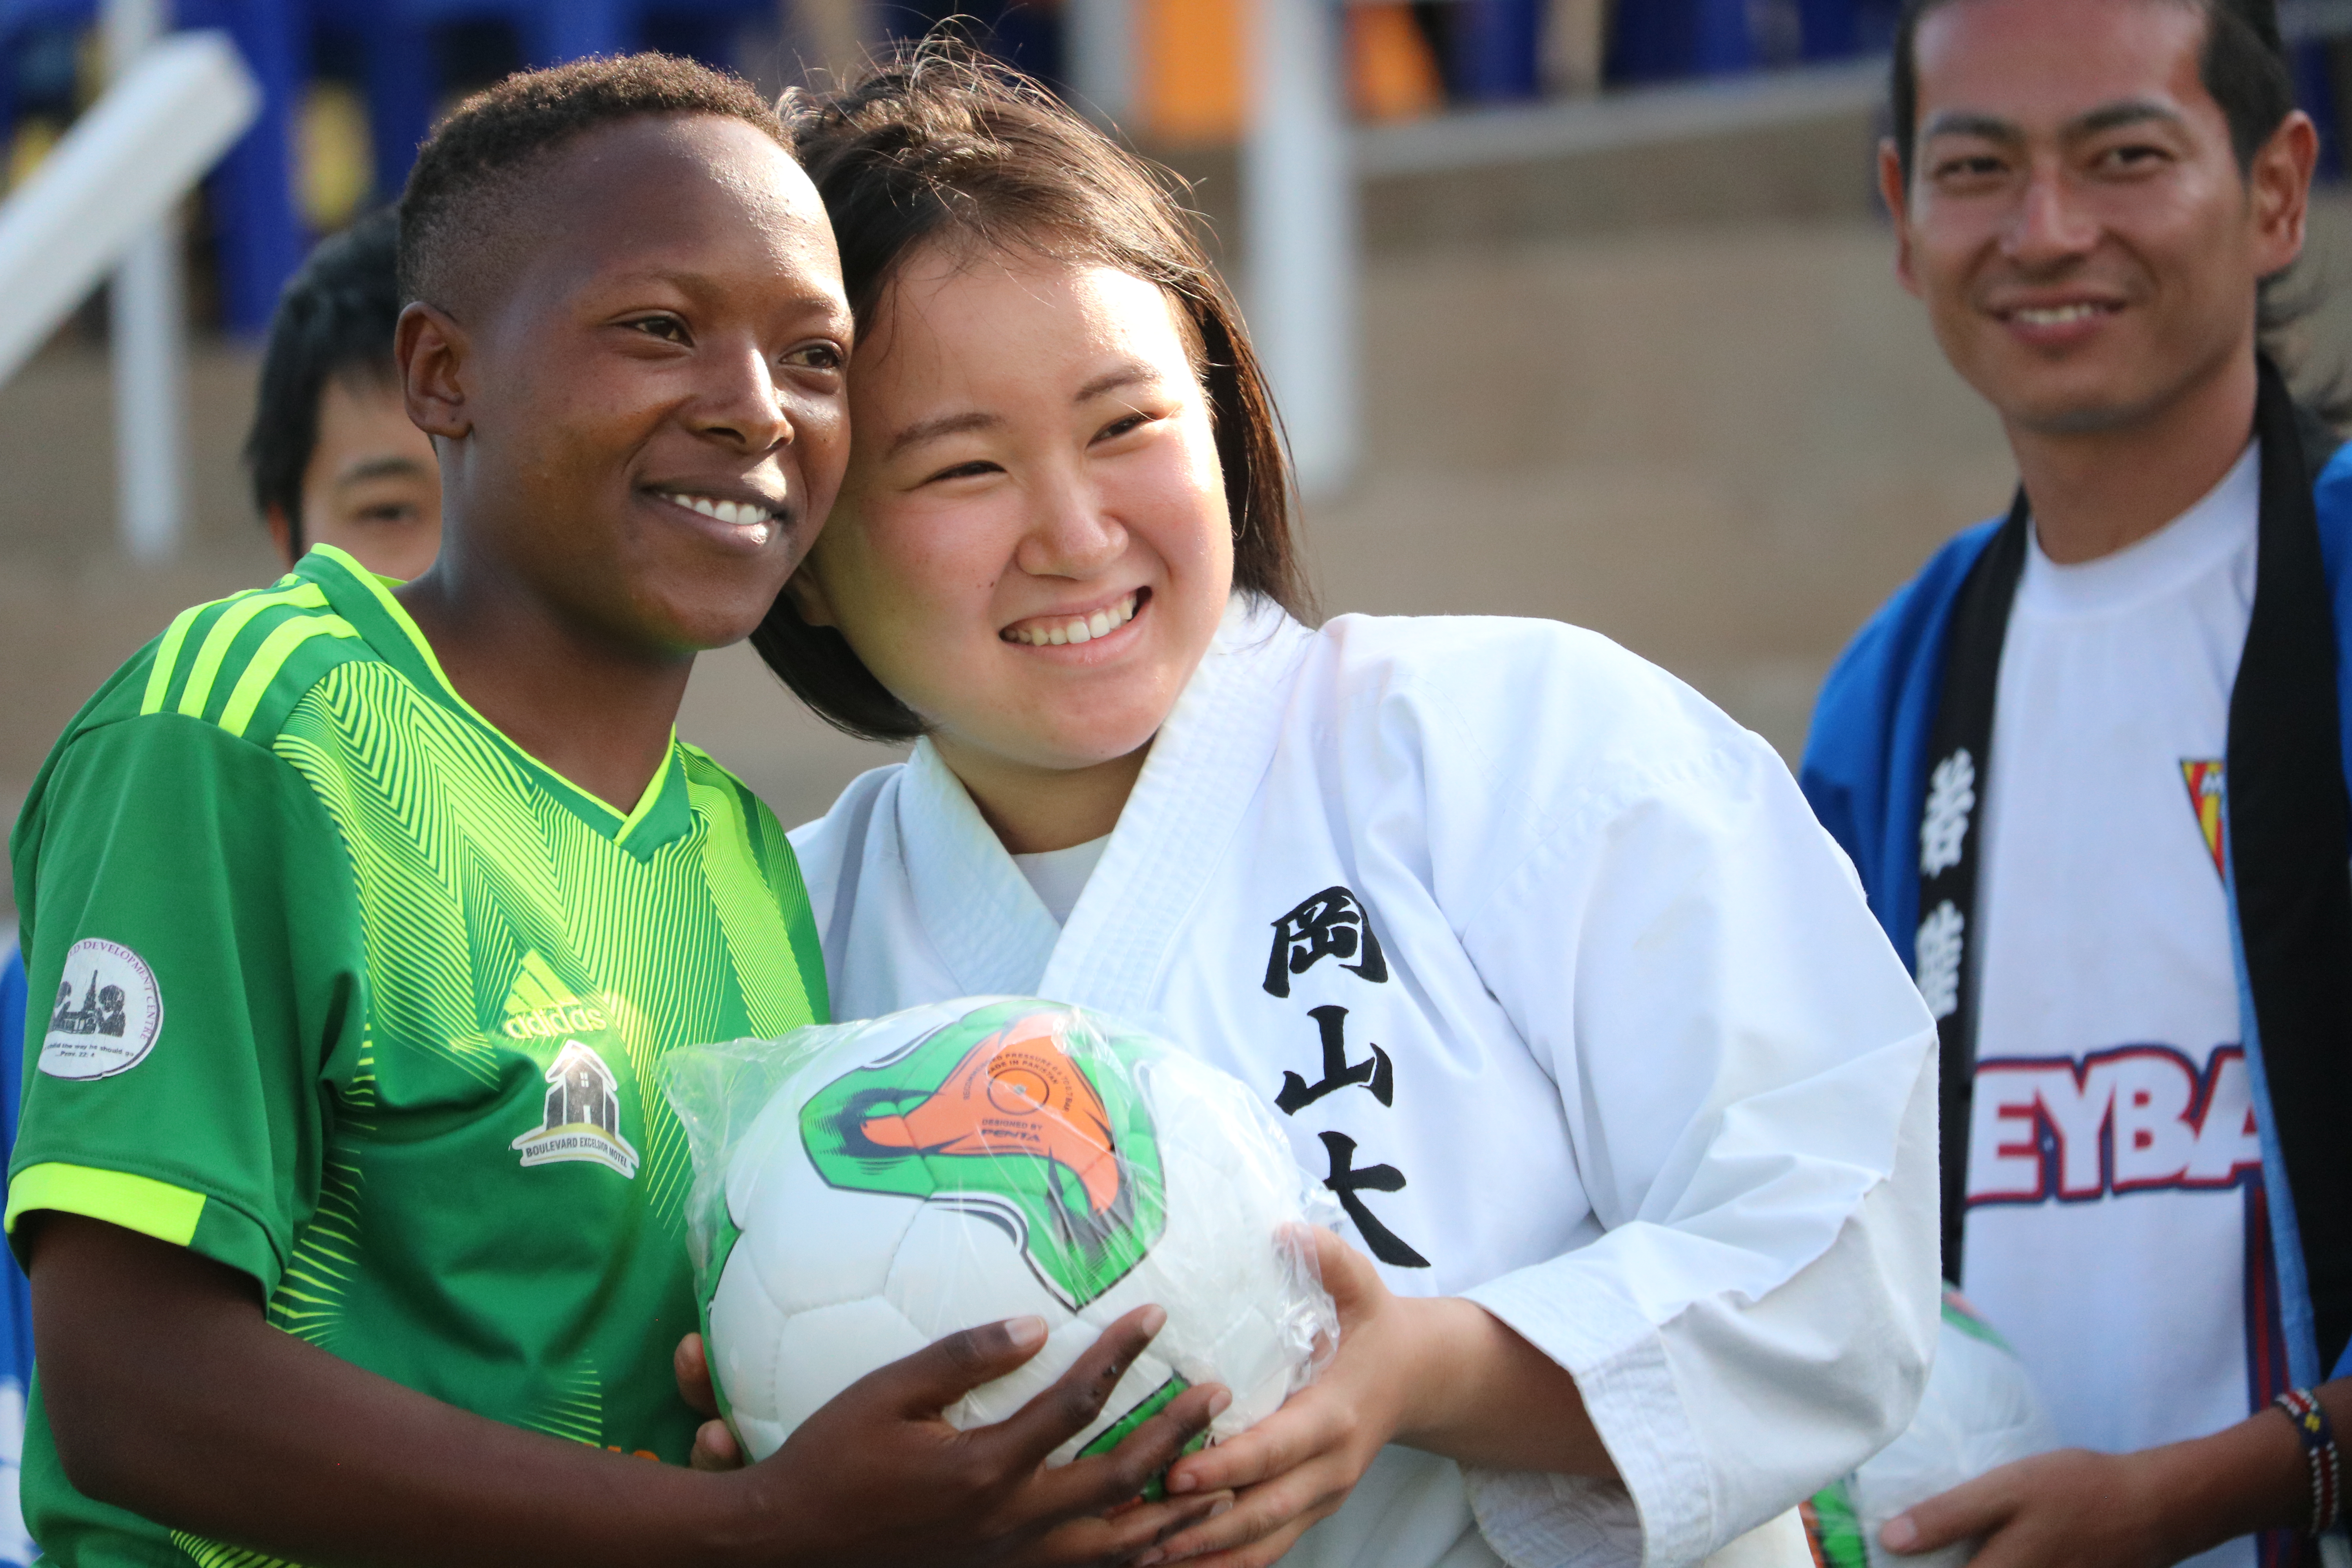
(1749, 1080)
(196, 968)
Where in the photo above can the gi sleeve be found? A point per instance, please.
(1748, 1077)
(193, 949)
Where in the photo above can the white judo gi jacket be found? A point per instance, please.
(1549, 973)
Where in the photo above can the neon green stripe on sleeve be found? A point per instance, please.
(275, 650)
(232, 620)
(135, 1203)
(167, 655)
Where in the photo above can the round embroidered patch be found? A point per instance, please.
(108, 1014)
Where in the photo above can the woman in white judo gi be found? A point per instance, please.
(1543, 962)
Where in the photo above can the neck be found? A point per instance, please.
(595, 714)
(1034, 809)
(2096, 492)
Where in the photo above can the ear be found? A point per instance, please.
(807, 591)
(1896, 193)
(281, 533)
(2278, 193)
(431, 350)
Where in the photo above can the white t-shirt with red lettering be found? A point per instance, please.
(2115, 1229)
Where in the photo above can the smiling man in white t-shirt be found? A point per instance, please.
(2089, 764)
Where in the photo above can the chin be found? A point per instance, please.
(2091, 409)
(698, 628)
(1072, 747)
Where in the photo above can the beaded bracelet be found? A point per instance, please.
(2319, 1448)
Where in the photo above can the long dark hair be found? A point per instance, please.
(935, 142)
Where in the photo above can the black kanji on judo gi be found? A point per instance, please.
(1373, 1072)
(1346, 1180)
(1332, 924)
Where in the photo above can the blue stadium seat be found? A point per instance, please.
(402, 79)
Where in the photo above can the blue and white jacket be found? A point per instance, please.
(1864, 771)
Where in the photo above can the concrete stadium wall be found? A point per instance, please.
(1721, 443)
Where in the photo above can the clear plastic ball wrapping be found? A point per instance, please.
(1979, 1412)
(863, 1189)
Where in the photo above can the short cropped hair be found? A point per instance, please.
(934, 143)
(2243, 68)
(333, 323)
(457, 214)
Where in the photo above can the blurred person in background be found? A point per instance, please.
(2090, 765)
(333, 456)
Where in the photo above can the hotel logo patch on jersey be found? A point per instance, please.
(2206, 798)
(583, 1120)
(108, 1011)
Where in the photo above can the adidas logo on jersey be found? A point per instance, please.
(540, 1006)
(2134, 1119)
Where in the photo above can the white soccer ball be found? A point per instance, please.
(1979, 1412)
(956, 1164)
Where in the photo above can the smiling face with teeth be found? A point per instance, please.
(1032, 547)
(641, 426)
(2076, 219)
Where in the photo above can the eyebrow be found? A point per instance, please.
(380, 468)
(1963, 122)
(2116, 116)
(688, 280)
(924, 430)
(1133, 374)
(2107, 117)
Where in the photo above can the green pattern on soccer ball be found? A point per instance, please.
(1119, 1431)
(1048, 1136)
(1836, 1528)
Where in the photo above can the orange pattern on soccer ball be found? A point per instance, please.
(1017, 1092)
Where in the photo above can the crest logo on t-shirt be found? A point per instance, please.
(2205, 798)
(583, 1119)
(108, 1011)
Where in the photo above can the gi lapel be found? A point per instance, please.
(2288, 847)
(983, 918)
(1196, 789)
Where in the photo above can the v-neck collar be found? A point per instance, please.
(365, 599)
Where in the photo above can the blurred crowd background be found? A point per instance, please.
(1629, 346)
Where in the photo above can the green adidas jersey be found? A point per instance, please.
(352, 995)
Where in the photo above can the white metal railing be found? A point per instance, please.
(103, 200)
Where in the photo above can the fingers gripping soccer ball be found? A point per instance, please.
(864, 1189)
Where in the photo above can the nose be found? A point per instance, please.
(1072, 531)
(738, 403)
(2050, 226)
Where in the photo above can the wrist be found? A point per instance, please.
(2243, 1479)
(725, 1519)
(1438, 1361)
